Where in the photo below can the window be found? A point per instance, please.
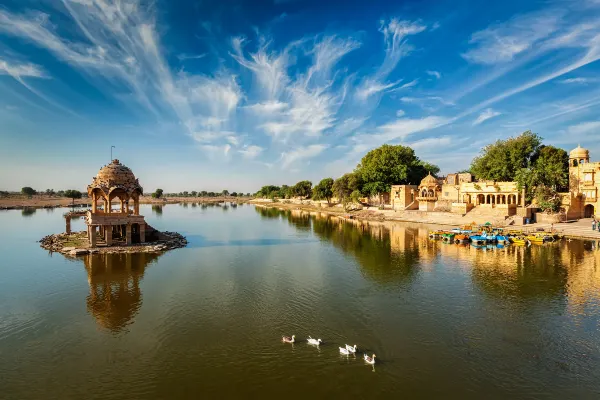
(588, 177)
(446, 194)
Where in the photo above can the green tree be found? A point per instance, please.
(194, 193)
(345, 185)
(28, 191)
(225, 193)
(389, 165)
(158, 193)
(73, 194)
(266, 191)
(50, 192)
(302, 189)
(430, 168)
(204, 193)
(324, 190)
(286, 191)
(504, 159)
(234, 194)
(547, 198)
(551, 168)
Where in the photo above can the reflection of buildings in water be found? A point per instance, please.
(384, 250)
(582, 262)
(115, 296)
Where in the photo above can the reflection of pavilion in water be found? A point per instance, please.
(114, 280)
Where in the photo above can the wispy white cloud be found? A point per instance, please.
(584, 128)
(251, 151)
(185, 57)
(502, 42)
(369, 88)
(19, 71)
(267, 107)
(400, 113)
(395, 33)
(435, 74)
(485, 115)
(301, 153)
(578, 80)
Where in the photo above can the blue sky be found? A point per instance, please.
(208, 95)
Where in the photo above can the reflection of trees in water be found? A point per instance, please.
(383, 256)
(28, 211)
(157, 209)
(372, 246)
(535, 271)
(268, 212)
(115, 296)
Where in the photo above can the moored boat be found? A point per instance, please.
(448, 237)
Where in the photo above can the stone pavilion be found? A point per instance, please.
(123, 224)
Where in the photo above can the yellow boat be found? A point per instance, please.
(519, 240)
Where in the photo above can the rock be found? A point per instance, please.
(354, 207)
(78, 252)
(67, 249)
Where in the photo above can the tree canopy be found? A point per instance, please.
(391, 165)
(73, 194)
(324, 190)
(157, 193)
(345, 185)
(302, 189)
(502, 160)
(28, 191)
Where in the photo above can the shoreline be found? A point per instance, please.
(19, 203)
(384, 216)
(76, 244)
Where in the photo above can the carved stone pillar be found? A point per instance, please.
(93, 235)
(128, 234)
(68, 225)
(142, 233)
(108, 235)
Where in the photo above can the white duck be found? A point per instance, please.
(351, 349)
(344, 351)
(370, 360)
(316, 342)
(287, 339)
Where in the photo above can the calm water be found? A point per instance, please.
(445, 321)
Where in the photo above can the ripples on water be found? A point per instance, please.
(445, 320)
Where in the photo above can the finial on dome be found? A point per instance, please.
(115, 161)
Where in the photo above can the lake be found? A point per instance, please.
(445, 321)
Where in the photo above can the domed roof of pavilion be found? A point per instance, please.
(429, 180)
(115, 176)
(579, 152)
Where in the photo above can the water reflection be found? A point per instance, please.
(388, 252)
(157, 209)
(385, 254)
(28, 211)
(114, 281)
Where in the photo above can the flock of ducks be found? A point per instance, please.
(343, 350)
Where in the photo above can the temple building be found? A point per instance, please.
(584, 184)
(124, 224)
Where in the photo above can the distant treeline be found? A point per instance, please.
(30, 192)
(158, 193)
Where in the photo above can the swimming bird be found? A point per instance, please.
(344, 350)
(351, 349)
(287, 339)
(316, 342)
(370, 360)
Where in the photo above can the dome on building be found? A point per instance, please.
(115, 176)
(429, 180)
(579, 153)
